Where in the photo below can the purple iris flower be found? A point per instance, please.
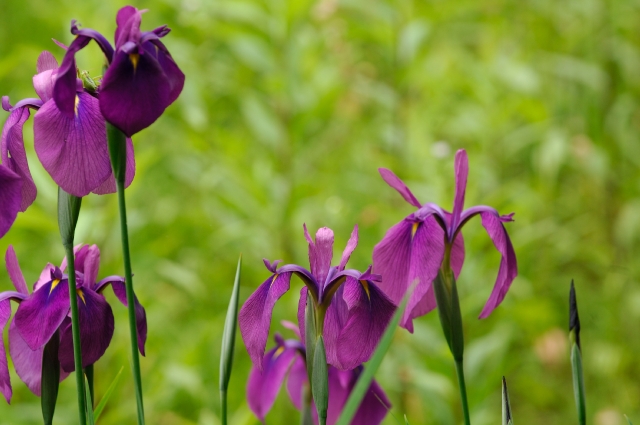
(73, 149)
(429, 240)
(10, 198)
(142, 79)
(289, 356)
(47, 310)
(356, 312)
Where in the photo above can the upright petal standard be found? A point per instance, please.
(429, 240)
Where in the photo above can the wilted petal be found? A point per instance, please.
(351, 245)
(120, 290)
(320, 253)
(254, 318)
(369, 314)
(134, 92)
(96, 330)
(73, 150)
(14, 156)
(508, 264)
(10, 198)
(263, 386)
(296, 382)
(38, 317)
(461, 167)
(394, 181)
(109, 185)
(15, 274)
(392, 260)
(5, 380)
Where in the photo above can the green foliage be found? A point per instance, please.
(289, 108)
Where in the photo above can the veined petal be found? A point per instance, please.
(134, 92)
(351, 245)
(254, 318)
(369, 314)
(44, 81)
(427, 252)
(96, 330)
(64, 90)
(508, 264)
(394, 181)
(374, 405)
(10, 198)
(457, 255)
(335, 319)
(120, 290)
(296, 382)
(320, 253)
(41, 314)
(46, 62)
(128, 22)
(73, 150)
(109, 185)
(263, 386)
(392, 259)
(5, 379)
(15, 274)
(14, 156)
(461, 166)
(88, 264)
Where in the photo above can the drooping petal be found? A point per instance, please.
(10, 198)
(369, 314)
(351, 245)
(392, 259)
(73, 150)
(64, 90)
(14, 156)
(394, 181)
(15, 274)
(296, 382)
(508, 264)
(254, 318)
(427, 252)
(109, 185)
(174, 75)
(134, 92)
(120, 290)
(96, 330)
(27, 362)
(374, 405)
(461, 167)
(320, 253)
(263, 386)
(38, 317)
(5, 379)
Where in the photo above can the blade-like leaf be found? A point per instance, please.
(628, 420)
(50, 380)
(310, 334)
(506, 404)
(229, 341)
(105, 398)
(578, 384)
(406, 421)
(87, 398)
(364, 381)
(320, 381)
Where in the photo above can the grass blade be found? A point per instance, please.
(103, 402)
(229, 342)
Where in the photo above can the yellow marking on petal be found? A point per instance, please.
(81, 295)
(414, 228)
(54, 283)
(279, 351)
(75, 106)
(275, 276)
(365, 285)
(134, 58)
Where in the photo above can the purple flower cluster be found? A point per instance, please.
(45, 313)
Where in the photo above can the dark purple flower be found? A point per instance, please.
(10, 198)
(356, 311)
(429, 240)
(72, 148)
(289, 357)
(47, 310)
(142, 79)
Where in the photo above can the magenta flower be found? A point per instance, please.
(142, 79)
(356, 311)
(73, 149)
(10, 198)
(430, 240)
(47, 310)
(288, 356)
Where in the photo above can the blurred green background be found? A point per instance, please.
(288, 110)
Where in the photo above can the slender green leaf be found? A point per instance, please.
(87, 398)
(628, 420)
(310, 334)
(68, 213)
(50, 378)
(105, 398)
(406, 421)
(364, 381)
(578, 384)
(507, 419)
(229, 342)
(88, 371)
(319, 381)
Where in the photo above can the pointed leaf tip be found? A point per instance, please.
(574, 319)
(506, 405)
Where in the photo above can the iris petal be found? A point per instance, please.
(5, 380)
(10, 198)
(14, 156)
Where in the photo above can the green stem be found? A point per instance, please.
(88, 371)
(75, 330)
(463, 391)
(223, 401)
(118, 154)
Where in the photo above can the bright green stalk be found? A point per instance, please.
(68, 212)
(50, 380)
(118, 154)
(229, 342)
